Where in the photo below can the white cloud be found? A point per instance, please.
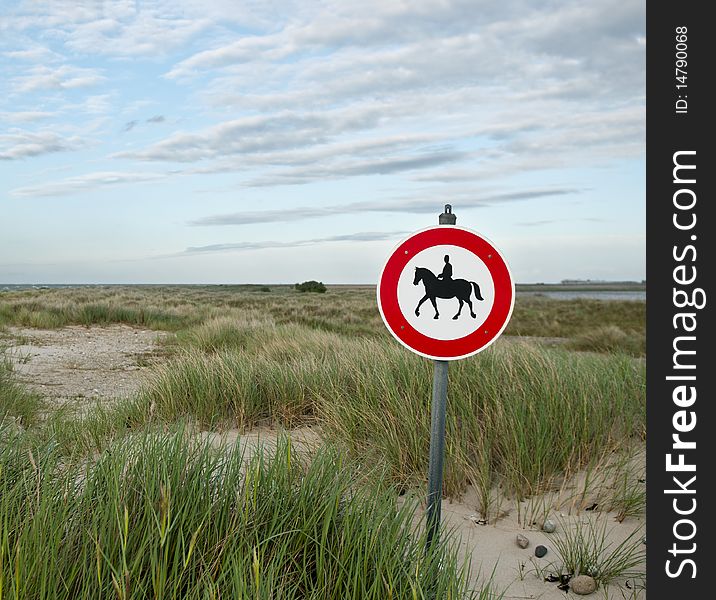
(26, 116)
(65, 77)
(18, 144)
(424, 204)
(144, 34)
(259, 133)
(35, 54)
(81, 183)
(365, 236)
(122, 28)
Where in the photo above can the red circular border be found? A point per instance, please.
(420, 343)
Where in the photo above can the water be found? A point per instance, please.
(633, 296)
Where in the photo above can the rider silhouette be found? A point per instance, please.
(446, 275)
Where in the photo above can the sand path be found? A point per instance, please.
(76, 364)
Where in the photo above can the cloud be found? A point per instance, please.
(142, 34)
(97, 104)
(415, 205)
(65, 77)
(82, 183)
(364, 147)
(366, 236)
(553, 221)
(368, 24)
(129, 125)
(24, 144)
(489, 82)
(254, 134)
(26, 116)
(375, 49)
(119, 28)
(385, 166)
(35, 54)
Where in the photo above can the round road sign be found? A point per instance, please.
(446, 293)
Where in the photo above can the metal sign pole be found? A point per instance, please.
(437, 449)
(437, 429)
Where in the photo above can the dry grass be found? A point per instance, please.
(347, 310)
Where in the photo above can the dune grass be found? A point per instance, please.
(517, 414)
(610, 338)
(347, 310)
(585, 549)
(159, 516)
(118, 503)
(16, 401)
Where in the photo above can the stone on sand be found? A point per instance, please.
(549, 526)
(583, 585)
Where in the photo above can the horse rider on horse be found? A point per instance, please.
(446, 275)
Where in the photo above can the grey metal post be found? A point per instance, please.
(437, 449)
(437, 428)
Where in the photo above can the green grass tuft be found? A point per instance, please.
(610, 338)
(17, 403)
(160, 516)
(584, 549)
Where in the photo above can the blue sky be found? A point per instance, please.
(220, 141)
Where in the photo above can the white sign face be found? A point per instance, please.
(445, 293)
(452, 285)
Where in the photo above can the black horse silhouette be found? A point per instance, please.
(452, 288)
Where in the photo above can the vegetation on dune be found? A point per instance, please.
(119, 502)
(317, 287)
(539, 316)
(519, 414)
(158, 515)
(610, 338)
(589, 324)
(585, 549)
(16, 402)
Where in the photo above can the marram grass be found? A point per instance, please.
(347, 310)
(158, 515)
(518, 414)
(17, 403)
(585, 549)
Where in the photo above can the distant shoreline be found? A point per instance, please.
(602, 286)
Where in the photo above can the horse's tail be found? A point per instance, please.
(477, 290)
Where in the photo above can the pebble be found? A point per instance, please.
(549, 526)
(477, 520)
(540, 551)
(522, 541)
(583, 585)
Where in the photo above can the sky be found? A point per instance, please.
(260, 141)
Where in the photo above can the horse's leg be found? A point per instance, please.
(469, 303)
(417, 308)
(435, 306)
(459, 310)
